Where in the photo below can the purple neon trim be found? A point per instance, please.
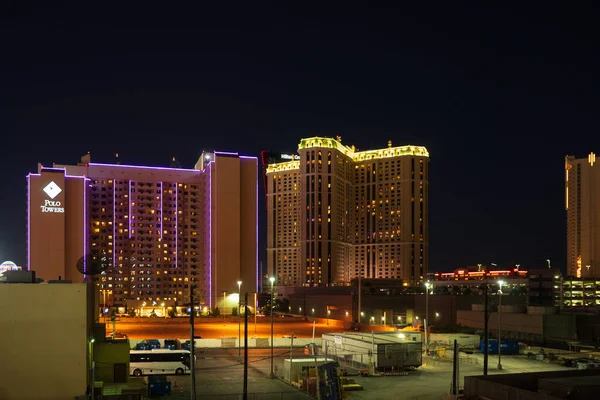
(85, 224)
(250, 157)
(141, 166)
(114, 223)
(75, 176)
(129, 217)
(209, 171)
(30, 174)
(29, 221)
(176, 224)
(161, 210)
(257, 273)
(53, 169)
(226, 153)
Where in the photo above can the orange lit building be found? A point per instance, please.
(155, 230)
(582, 191)
(479, 273)
(336, 213)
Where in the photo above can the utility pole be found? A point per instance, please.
(239, 317)
(359, 294)
(486, 328)
(192, 352)
(245, 395)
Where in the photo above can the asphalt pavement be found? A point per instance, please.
(215, 328)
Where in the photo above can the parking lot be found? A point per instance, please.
(219, 375)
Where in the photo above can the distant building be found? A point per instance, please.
(155, 231)
(582, 193)
(9, 266)
(335, 213)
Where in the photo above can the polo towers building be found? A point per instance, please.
(154, 231)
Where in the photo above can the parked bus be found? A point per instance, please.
(159, 362)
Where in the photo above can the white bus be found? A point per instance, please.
(159, 362)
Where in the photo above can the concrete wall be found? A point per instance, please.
(234, 246)
(233, 343)
(514, 326)
(534, 327)
(44, 341)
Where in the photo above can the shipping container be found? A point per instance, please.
(508, 346)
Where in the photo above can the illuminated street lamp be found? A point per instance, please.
(272, 279)
(239, 318)
(500, 283)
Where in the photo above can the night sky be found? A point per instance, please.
(499, 96)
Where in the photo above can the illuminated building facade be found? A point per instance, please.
(156, 230)
(337, 213)
(582, 193)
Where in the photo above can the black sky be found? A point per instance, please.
(498, 95)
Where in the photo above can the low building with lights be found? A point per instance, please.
(9, 266)
(335, 213)
(153, 231)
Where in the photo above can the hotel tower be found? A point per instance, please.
(154, 230)
(337, 213)
(582, 193)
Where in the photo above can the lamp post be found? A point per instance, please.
(426, 319)
(255, 312)
(500, 283)
(239, 319)
(272, 279)
(224, 302)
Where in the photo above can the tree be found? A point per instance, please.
(234, 311)
(216, 312)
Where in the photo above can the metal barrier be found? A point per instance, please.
(288, 395)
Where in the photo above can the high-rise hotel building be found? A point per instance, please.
(582, 187)
(337, 213)
(154, 230)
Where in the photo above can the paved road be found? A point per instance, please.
(213, 328)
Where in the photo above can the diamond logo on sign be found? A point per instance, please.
(52, 190)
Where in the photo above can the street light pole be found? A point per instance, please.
(224, 302)
(500, 283)
(425, 321)
(272, 279)
(239, 319)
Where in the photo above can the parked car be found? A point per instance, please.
(186, 345)
(588, 364)
(572, 362)
(172, 344)
(147, 344)
(142, 346)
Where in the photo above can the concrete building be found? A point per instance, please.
(337, 213)
(533, 324)
(45, 347)
(152, 231)
(553, 385)
(582, 191)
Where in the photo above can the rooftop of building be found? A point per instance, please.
(350, 151)
(575, 384)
